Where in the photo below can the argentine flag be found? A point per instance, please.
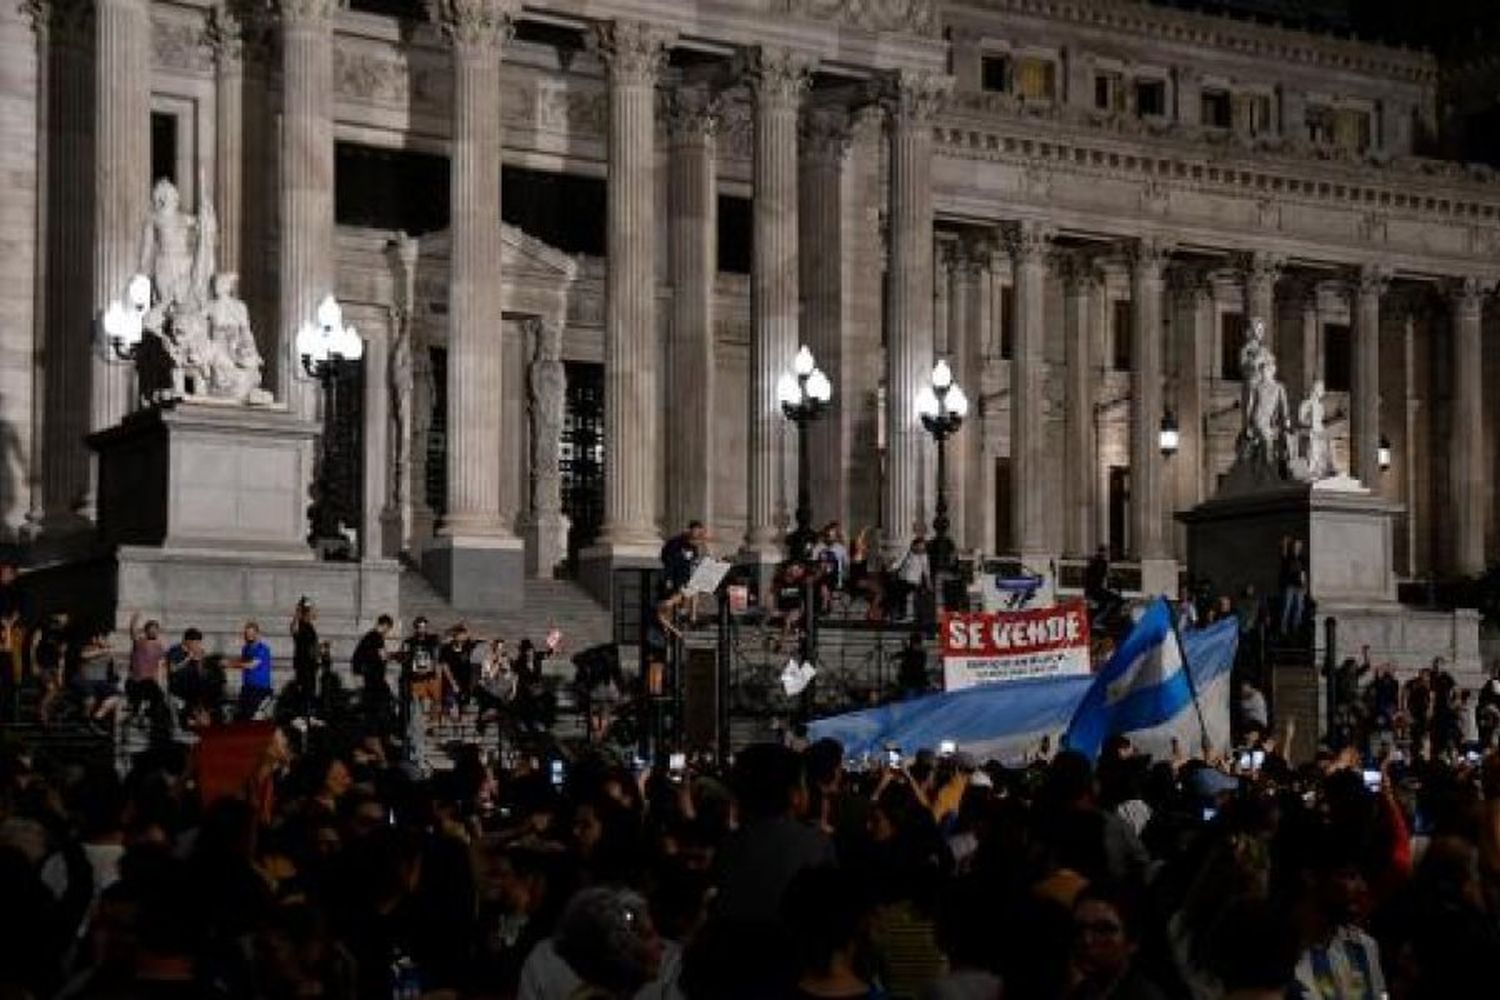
(1145, 692)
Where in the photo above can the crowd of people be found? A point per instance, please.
(786, 872)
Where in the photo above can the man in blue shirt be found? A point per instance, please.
(255, 673)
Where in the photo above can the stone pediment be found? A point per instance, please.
(520, 253)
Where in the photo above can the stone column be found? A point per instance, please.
(227, 43)
(1261, 271)
(823, 145)
(305, 238)
(1193, 331)
(1147, 510)
(477, 559)
(777, 79)
(692, 268)
(375, 412)
(1312, 338)
(23, 160)
(633, 53)
(914, 99)
(547, 385)
(1029, 245)
(122, 182)
(970, 497)
(1471, 484)
(960, 323)
(1080, 450)
(1364, 395)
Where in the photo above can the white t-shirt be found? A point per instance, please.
(913, 569)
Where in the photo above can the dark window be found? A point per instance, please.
(1004, 540)
(411, 10)
(1231, 342)
(1103, 96)
(1218, 110)
(1007, 322)
(390, 188)
(1338, 357)
(1150, 98)
(1122, 327)
(994, 74)
(1119, 511)
(164, 147)
(581, 455)
(566, 211)
(735, 234)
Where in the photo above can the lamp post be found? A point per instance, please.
(1169, 438)
(323, 348)
(125, 322)
(804, 393)
(942, 406)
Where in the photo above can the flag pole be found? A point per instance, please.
(1187, 670)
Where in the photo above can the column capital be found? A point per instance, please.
(1468, 293)
(1188, 281)
(1261, 265)
(306, 13)
(224, 34)
(633, 51)
(1028, 241)
(824, 134)
(70, 22)
(1078, 270)
(484, 25)
(777, 76)
(1372, 279)
(916, 95)
(692, 111)
(1149, 255)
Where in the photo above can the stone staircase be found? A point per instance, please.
(545, 604)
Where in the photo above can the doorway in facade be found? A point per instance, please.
(1119, 511)
(581, 456)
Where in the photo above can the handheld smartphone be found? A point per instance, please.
(559, 774)
(1209, 812)
(676, 765)
(1472, 756)
(948, 748)
(1247, 761)
(1372, 780)
(893, 758)
(1257, 759)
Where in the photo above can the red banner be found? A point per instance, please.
(985, 647)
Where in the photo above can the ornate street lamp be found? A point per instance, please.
(321, 345)
(1383, 454)
(324, 348)
(942, 406)
(804, 393)
(1169, 438)
(124, 322)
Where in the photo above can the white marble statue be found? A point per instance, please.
(234, 360)
(176, 253)
(1314, 461)
(202, 325)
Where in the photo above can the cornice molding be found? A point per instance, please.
(1243, 38)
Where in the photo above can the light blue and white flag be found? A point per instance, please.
(1011, 721)
(1147, 693)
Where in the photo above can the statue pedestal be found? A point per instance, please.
(203, 523)
(201, 476)
(1234, 541)
(546, 536)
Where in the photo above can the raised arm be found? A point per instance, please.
(134, 628)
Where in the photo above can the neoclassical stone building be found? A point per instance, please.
(1083, 204)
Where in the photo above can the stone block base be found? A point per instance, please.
(476, 574)
(219, 593)
(597, 565)
(546, 545)
(1159, 577)
(1408, 637)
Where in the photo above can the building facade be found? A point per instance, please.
(1083, 205)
